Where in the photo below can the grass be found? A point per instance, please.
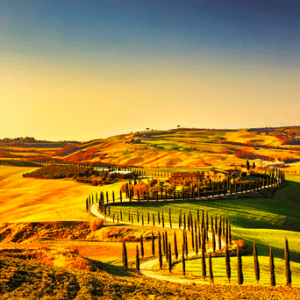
(194, 270)
(266, 220)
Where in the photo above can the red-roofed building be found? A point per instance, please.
(180, 177)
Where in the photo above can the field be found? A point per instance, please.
(267, 220)
(42, 200)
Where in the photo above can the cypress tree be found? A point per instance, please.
(227, 263)
(152, 244)
(207, 222)
(148, 217)
(113, 196)
(256, 263)
(163, 244)
(124, 256)
(183, 260)
(158, 217)
(142, 219)
(184, 221)
(198, 217)
(196, 243)
(107, 197)
(109, 210)
(159, 251)
(128, 215)
(220, 225)
(186, 244)
(192, 237)
(175, 246)
(170, 218)
(219, 239)
(203, 244)
(272, 269)
(120, 196)
(121, 217)
(239, 267)
(211, 223)
(213, 241)
(216, 223)
(170, 257)
(163, 219)
(199, 236)
(288, 272)
(166, 246)
(148, 195)
(202, 220)
(229, 233)
(137, 259)
(211, 276)
(126, 191)
(142, 246)
(203, 264)
(179, 221)
(153, 219)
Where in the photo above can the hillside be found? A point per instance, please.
(177, 148)
(201, 148)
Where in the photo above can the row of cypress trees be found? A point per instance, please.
(164, 249)
(273, 178)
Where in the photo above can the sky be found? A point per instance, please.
(88, 69)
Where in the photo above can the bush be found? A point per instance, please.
(96, 224)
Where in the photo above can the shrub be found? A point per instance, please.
(96, 224)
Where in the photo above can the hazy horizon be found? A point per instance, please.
(83, 70)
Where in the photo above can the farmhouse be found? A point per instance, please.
(180, 177)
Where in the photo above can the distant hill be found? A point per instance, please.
(176, 148)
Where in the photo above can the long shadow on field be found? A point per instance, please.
(263, 250)
(115, 270)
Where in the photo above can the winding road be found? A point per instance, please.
(146, 268)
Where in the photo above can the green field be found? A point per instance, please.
(266, 220)
(194, 270)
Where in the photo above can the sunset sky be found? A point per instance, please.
(82, 70)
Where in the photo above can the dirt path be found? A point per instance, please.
(146, 268)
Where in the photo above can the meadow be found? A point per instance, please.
(266, 220)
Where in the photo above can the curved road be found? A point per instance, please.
(146, 268)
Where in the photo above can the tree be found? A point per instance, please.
(211, 276)
(124, 256)
(183, 259)
(288, 272)
(272, 268)
(170, 257)
(175, 246)
(152, 244)
(248, 165)
(142, 246)
(256, 263)
(159, 251)
(227, 262)
(137, 259)
(239, 266)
